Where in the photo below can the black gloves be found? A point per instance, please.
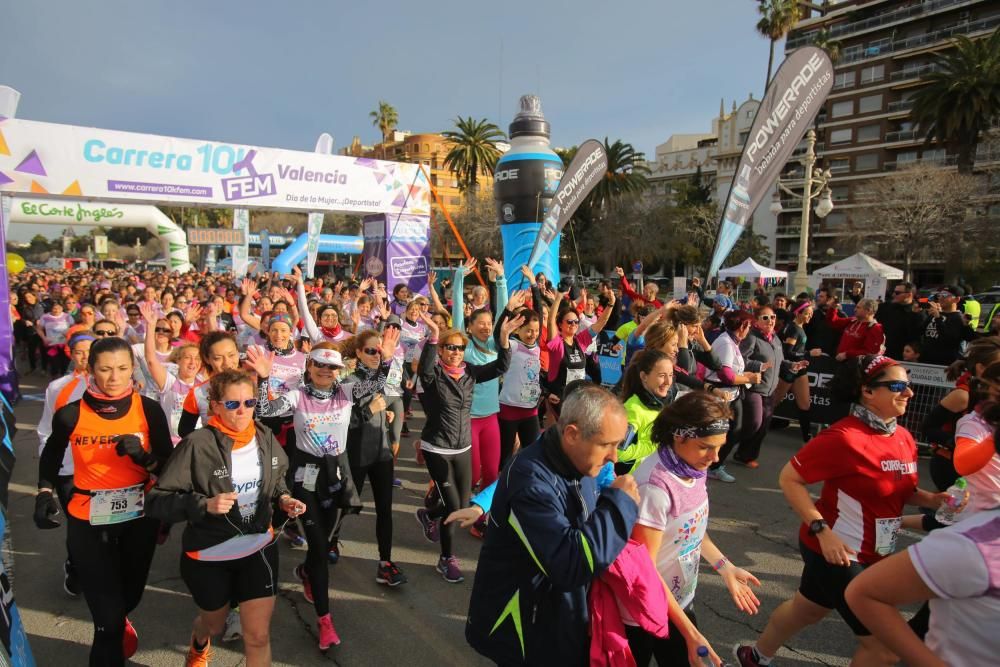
(46, 508)
(130, 445)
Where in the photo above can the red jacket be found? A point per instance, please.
(857, 337)
(632, 580)
(635, 296)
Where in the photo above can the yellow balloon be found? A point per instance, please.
(15, 263)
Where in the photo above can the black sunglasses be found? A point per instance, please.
(572, 323)
(895, 386)
(163, 331)
(454, 347)
(232, 405)
(329, 367)
(371, 350)
(105, 332)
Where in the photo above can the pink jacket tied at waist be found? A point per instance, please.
(632, 580)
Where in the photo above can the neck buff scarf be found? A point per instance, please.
(674, 463)
(454, 372)
(649, 399)
(281, 353)
(321, 394)
(766, 335)
(331, 332)
(100, 395)
(872, 420)
(240, 438)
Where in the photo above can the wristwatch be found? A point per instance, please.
(816, 527)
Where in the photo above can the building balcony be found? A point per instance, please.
(903, 135)
(900, 105)
(947, 160)
(901, 14)
(911, 73)
(931, 38)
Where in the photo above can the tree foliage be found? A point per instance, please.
(385, 118)
(472, 150)
(961, 96)
(777, 18)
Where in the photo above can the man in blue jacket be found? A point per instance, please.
(551, 533)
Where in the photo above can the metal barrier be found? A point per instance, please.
(929, 386)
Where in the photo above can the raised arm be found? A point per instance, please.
(496, 268)
(435, 299)
(458, 293)
(626, 288)
(247, 288)
(553, 316)
(605, 315)
(307, 319)
(156, 369)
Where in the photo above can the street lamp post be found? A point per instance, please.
(815, 183)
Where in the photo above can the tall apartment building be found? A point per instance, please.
(717, 155)
(865, 127)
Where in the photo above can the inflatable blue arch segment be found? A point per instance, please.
(296, 252)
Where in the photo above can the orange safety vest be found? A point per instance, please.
(96, 464)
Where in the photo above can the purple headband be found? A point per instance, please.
(802, 306)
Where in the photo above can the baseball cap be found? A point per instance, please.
(723, 300)
(393, 321)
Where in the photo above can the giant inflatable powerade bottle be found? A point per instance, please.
(525, 179)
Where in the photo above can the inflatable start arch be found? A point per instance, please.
(66, 212)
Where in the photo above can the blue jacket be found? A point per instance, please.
(551, 534)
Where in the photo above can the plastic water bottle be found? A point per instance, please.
(958, 493)
(705, 660)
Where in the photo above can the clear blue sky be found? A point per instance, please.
(279, 74)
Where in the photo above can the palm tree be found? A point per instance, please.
(832, 47)
(777, 18)
(626, 176)
(385, 119)
(473, 150)
(961, 97)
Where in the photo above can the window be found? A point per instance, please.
(841, 136)
(866, 162)
(852, 52)
(842, 164)
(872, 74)
(840, 193)
(905, 157)
(870, 133)
(877, 46)
(843, 80)
(743, 137)
(835, 219)
(842, 109)
(870, 103)
(750, 113)
(933, 155)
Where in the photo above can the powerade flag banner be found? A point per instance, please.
(581, 176)
(793, 99)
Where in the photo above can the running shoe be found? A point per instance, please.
(432, 498)
(448, 567)
(199, 657)
(327, 634)
(397, 483)
(234, 626)
(291, 533)
(406, 429)
(430, 526)
(478, 529)
(333, 555)
(720, 475)
(746, 656)
(748, 464)
(303, 576)
(130, 640)
(70, 584)
(408, 413)
(389, 575)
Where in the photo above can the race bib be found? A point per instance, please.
(530, 392)
(886, 531)
(395, 377)
(309, 476)
(574, 374)
(112, 506)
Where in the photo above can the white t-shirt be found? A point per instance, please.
(521, 383)
(171, 400)
(961, 565)
(729, 354)
(984, 484)
(679, 509)
(55, 327)
(246, 476)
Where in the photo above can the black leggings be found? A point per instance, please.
(669, 651)
(452, 476)
(380, 474)
(318, 522)
(113, 564)
(526, 430)
(757, 411)
(735, 431)
(394, 404)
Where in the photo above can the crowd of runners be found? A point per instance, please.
(248, 409)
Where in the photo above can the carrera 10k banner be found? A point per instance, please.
(106, 165)
(793, 99)
(581, 176)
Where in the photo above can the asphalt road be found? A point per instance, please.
(420, 623)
